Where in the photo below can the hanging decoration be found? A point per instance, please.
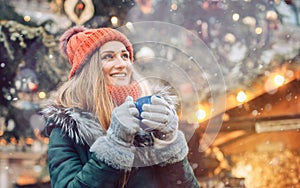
(79, 11)
(26, 80)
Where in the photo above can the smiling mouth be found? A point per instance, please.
(118, 75)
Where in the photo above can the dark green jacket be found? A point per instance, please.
(72, 164)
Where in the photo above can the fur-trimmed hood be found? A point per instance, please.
(82, 126)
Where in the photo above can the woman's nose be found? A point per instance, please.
(119, 61)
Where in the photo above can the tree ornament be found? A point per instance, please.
(79, 8)
(26, 80)
(79, 11)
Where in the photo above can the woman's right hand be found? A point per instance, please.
(115, 148)
(124, 122)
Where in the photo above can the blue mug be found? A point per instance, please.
(139, 105)
(140, 102)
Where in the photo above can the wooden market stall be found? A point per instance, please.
(258, 140)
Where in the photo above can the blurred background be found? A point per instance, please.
(240, 113)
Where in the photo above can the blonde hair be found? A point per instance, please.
(87, 90)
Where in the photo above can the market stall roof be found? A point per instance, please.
(270, 117)
(262, 142)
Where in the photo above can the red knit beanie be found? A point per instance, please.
(78, 43)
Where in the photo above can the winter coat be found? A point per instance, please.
(73, 132)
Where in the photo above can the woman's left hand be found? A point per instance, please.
(159, 116)
(169, 143)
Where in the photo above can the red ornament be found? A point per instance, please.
(80, 6)
(32, 86)
(79, 11)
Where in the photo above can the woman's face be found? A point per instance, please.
(116, 63)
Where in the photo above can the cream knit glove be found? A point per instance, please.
(115, 149)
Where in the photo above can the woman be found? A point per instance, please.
(96, 137)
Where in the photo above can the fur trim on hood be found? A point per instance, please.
(79, 125)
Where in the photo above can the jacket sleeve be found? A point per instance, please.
(177, 175)
(67, 170)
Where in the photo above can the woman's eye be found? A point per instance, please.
(125, 56)
(107, 56)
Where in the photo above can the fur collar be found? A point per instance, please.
(81, 126)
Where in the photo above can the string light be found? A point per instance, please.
(278, 80)
(42, 95)
(250, 21)
(114, 20)
(271, 15)
(273, 82)
(129, 26)
(174, 6)
(235, 17)
(241, 96)
(27, 18)
(229, 37)
(201, 114)
(258, 30)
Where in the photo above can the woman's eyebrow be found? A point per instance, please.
(111, 51)
(107, 51)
